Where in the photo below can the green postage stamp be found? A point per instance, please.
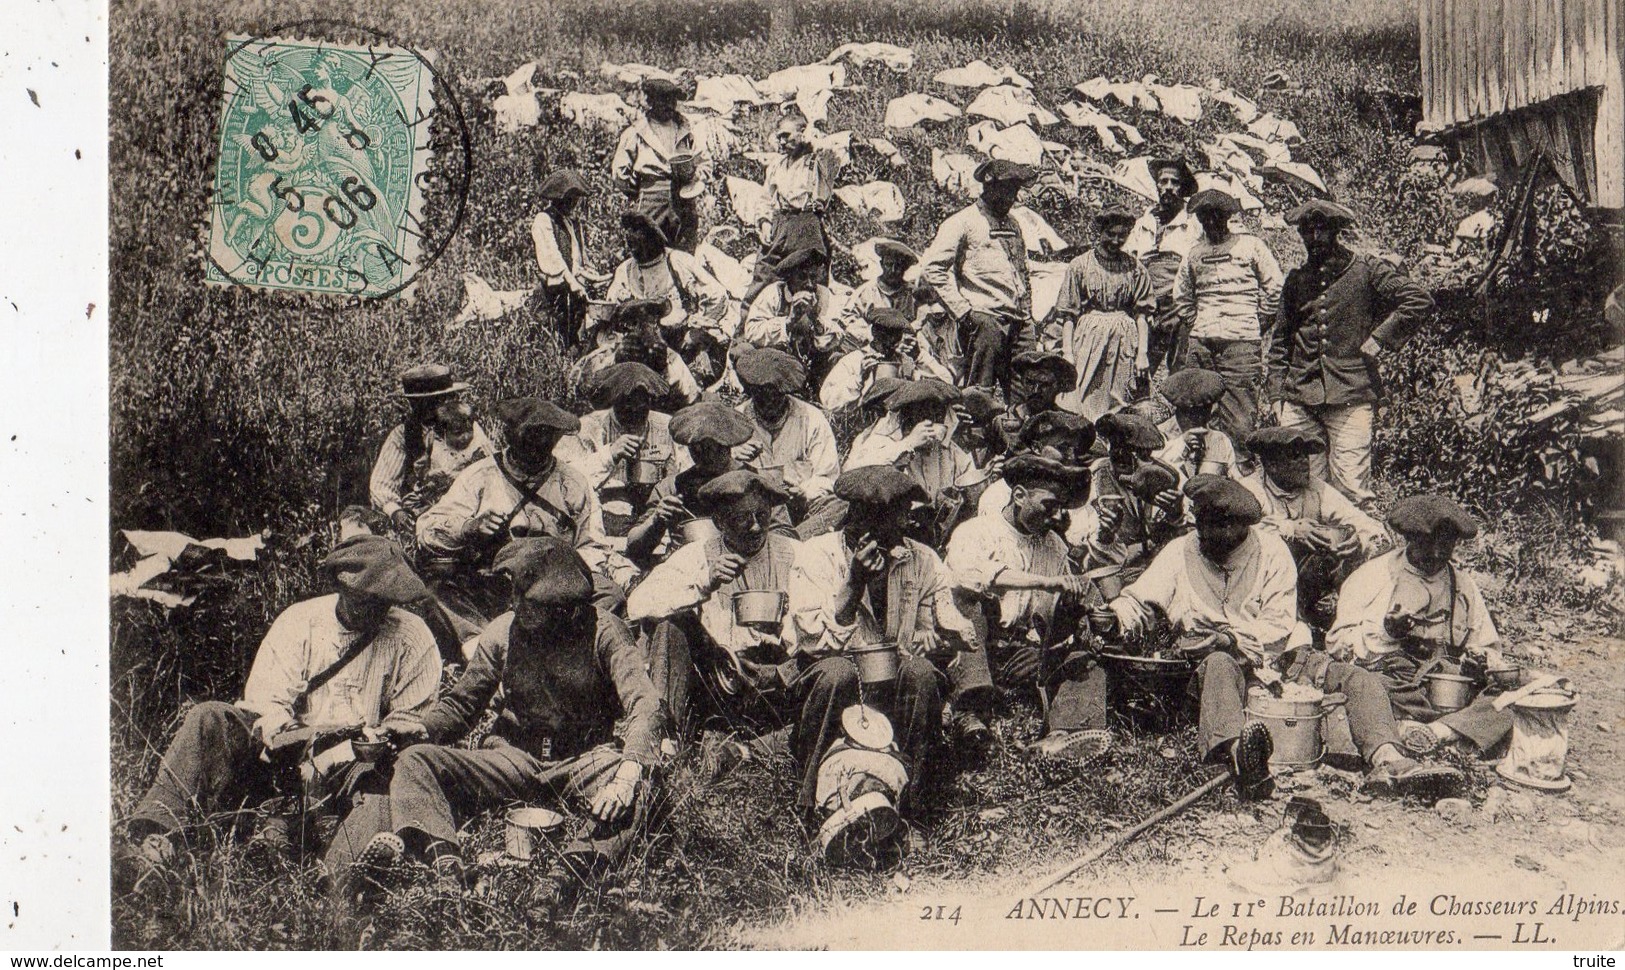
(323, 152)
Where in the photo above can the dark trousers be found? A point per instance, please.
(1077, 686)
(688, 668)
(791, 232)
(829, 686)
(1320, 576)
(990, 345)
(1478, 722)
(1221, 686)
(677, 217)
(1241, 365)
(436, 789)
(213, 763)
(1166, 337)
(567, 309)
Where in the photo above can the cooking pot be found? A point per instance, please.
(1449, 692)
(764, 607)
(877, 662)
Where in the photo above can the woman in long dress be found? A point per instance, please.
(1103, 306)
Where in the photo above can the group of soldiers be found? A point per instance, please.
(702, 551)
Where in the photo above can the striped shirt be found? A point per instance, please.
(1227, 287)
(390, 481)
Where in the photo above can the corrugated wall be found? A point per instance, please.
(1481, 58)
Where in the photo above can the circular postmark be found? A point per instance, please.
(344, 163)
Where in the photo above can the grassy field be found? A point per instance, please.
(236, 411)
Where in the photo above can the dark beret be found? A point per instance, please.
(711, 421)
(1047, 423)
(1117, 212)
(1428, 515)
(732, 486)
(928, 390)
(618, 382)
(545, 571)
(980, 405)
(631, 310)
(892, 248)
(1214, 199)
(660, 87)
(523, 416)
(1131, 428)
(1284, 441)
(878, 485)
(1004, 170)
(1192, 387)
(562, 184)
(374, 567)
(880, 389)
(886, 318)
(766, 367)
(1218, 497)
(1062, 368)
(639, 222)
(1321, 210)
(1028, 470)
(800, 258)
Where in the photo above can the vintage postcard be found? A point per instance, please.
(798, 474)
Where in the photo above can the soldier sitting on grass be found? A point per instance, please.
(328, 668)
(567, 672)
(1236, 587)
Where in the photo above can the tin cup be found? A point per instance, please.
(527, 827)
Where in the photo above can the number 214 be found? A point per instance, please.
(940, 913)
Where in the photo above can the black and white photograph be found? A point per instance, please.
(853, 474)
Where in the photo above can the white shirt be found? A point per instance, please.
(678, 585)
(589, 452)
(1368, 593)
(936, 467)
(1285, 513)
(1254, 595)
(398, 671)
(918, 582)
(983, 547)
(802, 450)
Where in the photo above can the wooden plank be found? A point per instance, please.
(1609, 137)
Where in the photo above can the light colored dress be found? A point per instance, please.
(1099, 301)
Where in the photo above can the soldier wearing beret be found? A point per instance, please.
(1340, 312)
(1134, 499)
(891, 290)
(916, 435)
(793, 441)
(662, 165)
(695, 302)
(1236, 587)
(579, 722)
(625, 446)
(893, 350)
(1014, 564)
(1328, 535)
(710, 430)
(866, 583)
(1193, 447)
(350, 661)
(799, 315)
(1227, 294)
(631, 335)
(1059, 436)
(561, 252)
(521, 491)
(1411, 612)
(977, 264)
(689, 601)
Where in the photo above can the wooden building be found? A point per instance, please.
(1509, 79)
